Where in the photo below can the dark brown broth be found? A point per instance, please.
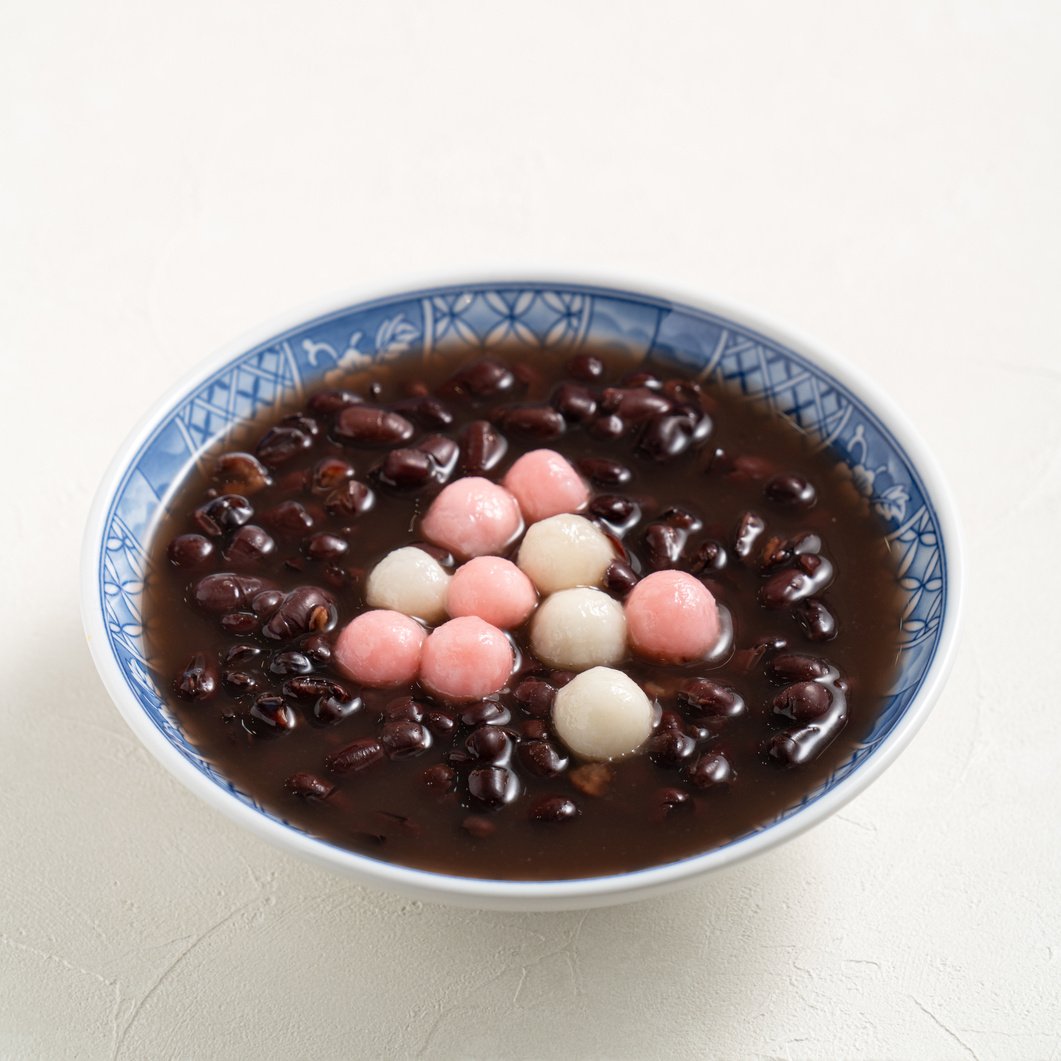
(387, 811)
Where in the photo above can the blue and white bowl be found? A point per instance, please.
(767, 363)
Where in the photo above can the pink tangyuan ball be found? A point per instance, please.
(380, 648)
(492, 589)
(472, 517)
(545, 484)
(672, 617)
(466, 659)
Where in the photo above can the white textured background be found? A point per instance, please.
(883, 176)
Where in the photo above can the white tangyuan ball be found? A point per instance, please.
(564, 551)
(409, 581)
(579, 628)
(602, 714)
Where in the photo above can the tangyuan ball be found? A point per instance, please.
(565, 551)
(493, 589)
(380, 648)
(466, 659)
(672, 618)
(579, 628)
(409, 581)
(472, 517)
(602, 714)
(545, 484)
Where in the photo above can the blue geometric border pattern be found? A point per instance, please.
(537, 316)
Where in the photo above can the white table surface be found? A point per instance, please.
(882, 176)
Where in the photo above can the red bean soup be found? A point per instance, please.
(264, 557)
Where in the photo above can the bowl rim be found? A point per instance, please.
(601, 890)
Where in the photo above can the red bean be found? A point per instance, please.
(358, 755)
(407, 469)
(324, 546)
(604, 472)
(709, 556)
(681, 517)
(304, 609)
(402, 739)
(224, 513)
(668, 800)
(225, 592)
(441, 723)
(619, 579)
(801, 744)
(336, 705)
(306, 687)
(309, 786)
(443, 452)
(576, 404)
(665, 437)
(290, 519)
(481, 379)
(264, 604)
(535, 697)
(749, 530)
(332, 401)
(710, 699)
(189, 550)
(670, 748)
(329, 473)
(493, 785)
(585, 367)
(684, 391)
(426, 410)
(283, 443)
(239, 683)
(240, 624)
(532, 729)
(553, 809)
(643, 378)
(817, 621)
(482, 447)
(711, 770)
(802, 701)
(240, 473)
(788, 586)
(249, 545)
(662, 546)
(541, 758)
(288, 663)
(537, 421)
(790, 491)
(796, 667)
(197, 679)
(369, 425)
(349, 500)
(241, 653)
(635, 405)
(440, 778)
(403, 709)
(620, 513)
(317, 647)
(488, 743)
(607, 427)
(270, 716)
(486, 711)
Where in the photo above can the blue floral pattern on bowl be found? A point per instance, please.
(538, 316)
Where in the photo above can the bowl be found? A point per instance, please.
(764, 361)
